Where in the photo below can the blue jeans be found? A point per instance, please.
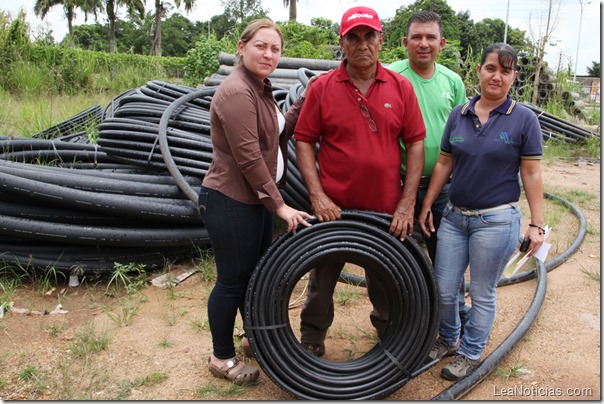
(485, 243)
(239, 233)
(438, 206)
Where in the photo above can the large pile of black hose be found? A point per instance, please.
(67, 202)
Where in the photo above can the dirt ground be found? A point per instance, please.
(162, 353)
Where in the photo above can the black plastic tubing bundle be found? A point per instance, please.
(405, 276)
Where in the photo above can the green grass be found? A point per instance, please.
(347, 294)
(131, 277)
(54, 330)
(210, 389)
(144, 381)
(89, 341)
(516, 370)
(26, 116)
(165, 343)
(124, 313)
(591, 274)
(205, 263)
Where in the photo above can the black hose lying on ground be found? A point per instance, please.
(404, 273)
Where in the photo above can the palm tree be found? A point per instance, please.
(293, 8)
(42, 7)
(161, 9)
(133, 7)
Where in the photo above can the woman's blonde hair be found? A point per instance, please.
(253, 27)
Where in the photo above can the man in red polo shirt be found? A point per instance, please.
(358, 113)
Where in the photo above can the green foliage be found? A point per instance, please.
(318, 35)
(89, 341)
(125, 312)
(131, 276)
(202, 60)
(594, 69)
(390, 55)
(240, 10)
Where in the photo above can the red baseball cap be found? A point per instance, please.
(360, 16)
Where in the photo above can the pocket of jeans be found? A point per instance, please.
(202, 202)
(498, 217)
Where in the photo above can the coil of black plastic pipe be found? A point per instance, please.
(405, 274)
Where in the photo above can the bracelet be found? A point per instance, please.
(541, 230)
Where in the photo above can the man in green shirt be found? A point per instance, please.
(438, 90)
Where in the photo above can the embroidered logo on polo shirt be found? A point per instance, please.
(387, 105)
(504, 138)
(456, 139)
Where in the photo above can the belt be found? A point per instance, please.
(478, 212)
(424, 180)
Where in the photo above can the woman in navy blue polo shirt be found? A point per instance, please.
(486, 143)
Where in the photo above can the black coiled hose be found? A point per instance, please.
(404, 273)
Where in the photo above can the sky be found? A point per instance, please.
(527, 15)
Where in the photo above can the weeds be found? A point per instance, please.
(165, 343)
(515, 371)
(593, 230)
(121, 277)
(8, 286)
(34, 375)
(54, 330)
(591, 274)
(29, 373)
(16, 273)
(125, 312)
(89, 341)
(200, 325)
(210, 389)
(205, 263)
(347, 294)
(149, 380)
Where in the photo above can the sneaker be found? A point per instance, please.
(440, 349)
(314, 349)
(459, 367)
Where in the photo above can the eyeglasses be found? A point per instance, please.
(367, 114)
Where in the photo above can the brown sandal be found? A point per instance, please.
(244, 375)
(246, 347)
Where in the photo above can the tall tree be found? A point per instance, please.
(242, 9)
(161, 11)
(42, 8)
(133, 7)
(293, 8)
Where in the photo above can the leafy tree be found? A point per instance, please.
(308, 41)
(594, 69)
(179, 34)
(42, 8)
(202, 60)
(241, 10)
(489, 31)
(91, 37)
(133, 7)
(394, 28)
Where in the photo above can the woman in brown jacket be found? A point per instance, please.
(239, 194)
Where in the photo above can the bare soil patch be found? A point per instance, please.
(162, 353)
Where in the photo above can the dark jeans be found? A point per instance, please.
(239, 234)
(437, 214)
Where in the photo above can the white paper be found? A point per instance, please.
(520, 258)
